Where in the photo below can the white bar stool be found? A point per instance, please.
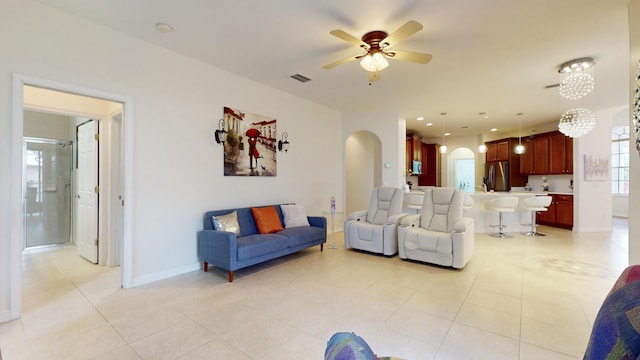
(535, 204)
(501, 205)
(413, 202)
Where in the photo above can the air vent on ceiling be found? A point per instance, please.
(300, 78)
(551, 86)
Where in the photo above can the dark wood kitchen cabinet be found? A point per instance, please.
(498, 150)
(535, 160)
(502, 150)
(546, 154)
(559, 213)
(560, 153)
(413, 151)
(430, 165)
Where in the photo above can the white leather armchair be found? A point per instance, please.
(375, 229)
(439, 234)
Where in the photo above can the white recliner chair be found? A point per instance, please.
(439, 234)
(375, 229)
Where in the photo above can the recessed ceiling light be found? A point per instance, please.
(429, 124)
(447, 134)
(164, 28)
(420, 118)
(494, 129)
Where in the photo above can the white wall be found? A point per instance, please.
(363, 169)
(178, 169)
(48, 126)
(590, 195)
(634, 171)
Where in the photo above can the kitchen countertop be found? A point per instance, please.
(533, 193)
(483, 218)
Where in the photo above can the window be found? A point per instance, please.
(620, 160)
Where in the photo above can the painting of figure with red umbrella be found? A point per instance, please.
(250, 146)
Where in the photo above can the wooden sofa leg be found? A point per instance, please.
(230, 276)
(205, 266)
(321, 247)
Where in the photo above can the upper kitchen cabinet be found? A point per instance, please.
(547, 153)
(560, 153)
(535, 160)
(498, 150)
(413, 151)
(502, 150)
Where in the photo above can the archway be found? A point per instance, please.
(461, 173)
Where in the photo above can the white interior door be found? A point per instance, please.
(87, 197)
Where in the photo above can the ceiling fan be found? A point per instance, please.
(376, 44)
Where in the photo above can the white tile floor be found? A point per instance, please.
(519, 298)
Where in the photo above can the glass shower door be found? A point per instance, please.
(48, 175)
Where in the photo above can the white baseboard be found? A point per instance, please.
(593, 230)
(5, 316)
(146, 279)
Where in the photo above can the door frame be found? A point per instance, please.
(17, 228)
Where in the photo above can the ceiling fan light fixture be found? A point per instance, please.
(374, 62)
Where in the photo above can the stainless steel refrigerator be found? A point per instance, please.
(497, 176)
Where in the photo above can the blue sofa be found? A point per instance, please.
(227, 251)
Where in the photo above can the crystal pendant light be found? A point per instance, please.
(577, 122)
(577, 80)
(482, 148)
(443, 147)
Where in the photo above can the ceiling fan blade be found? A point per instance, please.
(347, 37)
(340, 62)
(415, 57)
(374, 76)
(406, 30)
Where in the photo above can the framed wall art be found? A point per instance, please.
(596, 168)
(250, 146)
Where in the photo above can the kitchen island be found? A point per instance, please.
(515, 222)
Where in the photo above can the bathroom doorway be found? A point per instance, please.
(48, 190)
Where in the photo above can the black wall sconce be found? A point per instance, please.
(221, 133)
(283, 144)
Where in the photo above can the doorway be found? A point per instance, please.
(461, 169)
(48, 188)
(25, 91)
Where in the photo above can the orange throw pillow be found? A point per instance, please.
(267, 219)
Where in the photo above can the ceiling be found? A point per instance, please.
(492, 56)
